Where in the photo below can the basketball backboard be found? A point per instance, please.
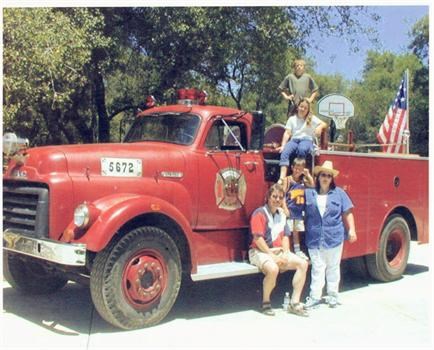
(338, 107)
(335, 105)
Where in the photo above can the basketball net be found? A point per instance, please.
(340, 121)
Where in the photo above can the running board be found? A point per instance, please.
(228, 269)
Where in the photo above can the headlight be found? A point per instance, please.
(81, 215)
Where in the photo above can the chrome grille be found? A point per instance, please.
(25, 208)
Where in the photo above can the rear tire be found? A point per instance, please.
(390, 261)
(136, 279)
(31, 276)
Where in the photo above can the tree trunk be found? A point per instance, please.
(99, 96)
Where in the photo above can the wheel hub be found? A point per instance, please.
(394, 249)
(144, 278)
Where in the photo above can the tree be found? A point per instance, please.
(373, 95)
(106, 58)
(419, 112)
(44, 71)
(240, 49)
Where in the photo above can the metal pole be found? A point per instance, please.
(407, 73)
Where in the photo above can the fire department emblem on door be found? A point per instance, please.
(230, 189)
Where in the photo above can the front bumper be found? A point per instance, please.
(71, 254)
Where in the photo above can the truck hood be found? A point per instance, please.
(123, 160)
(147, 159)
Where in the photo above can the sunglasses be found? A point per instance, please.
(275, 196)
(328, 176)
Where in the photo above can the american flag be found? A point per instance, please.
(394, 127)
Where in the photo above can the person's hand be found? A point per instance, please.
(352, 236)
(289, 97)
(306, 172)
(278, 260)
(280, 148)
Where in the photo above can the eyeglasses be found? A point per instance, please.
(328, 176)
(275, 196)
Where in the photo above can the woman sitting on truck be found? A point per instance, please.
(269, 251)
(300, 131)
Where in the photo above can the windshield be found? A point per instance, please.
(174, 128)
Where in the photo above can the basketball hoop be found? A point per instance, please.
(340, 121)
(337, 107)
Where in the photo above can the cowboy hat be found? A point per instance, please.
(326, 167)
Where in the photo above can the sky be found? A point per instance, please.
(394, 27)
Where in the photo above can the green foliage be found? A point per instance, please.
(419, 111)
(45, 52)
(420, 34)
(374, 94)
(79, 70)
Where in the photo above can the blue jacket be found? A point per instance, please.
(327, 231)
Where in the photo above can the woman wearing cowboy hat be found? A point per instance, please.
(328, 219)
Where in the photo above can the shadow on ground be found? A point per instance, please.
(72, 307)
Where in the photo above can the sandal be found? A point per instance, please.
(297, 309)
(267, 310)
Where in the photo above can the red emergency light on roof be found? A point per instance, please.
(192, 96)
(150, 101)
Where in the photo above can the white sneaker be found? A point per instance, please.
(302, 255)
(332, 300)
(311, 303)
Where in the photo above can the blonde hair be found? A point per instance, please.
(294, 63)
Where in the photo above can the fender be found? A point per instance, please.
(116, 210)
(395, 209)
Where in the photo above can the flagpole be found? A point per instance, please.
(407, 131)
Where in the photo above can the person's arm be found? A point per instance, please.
(308, 179)
(314, 88)
(287, 96)
(286, 243)
(261, 244)
(320, 127)
(348, 219)
(285, 138)
(264, 248)
(312, 97)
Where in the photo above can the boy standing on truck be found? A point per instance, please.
(269, 250)
(298, 85)
(294, 186)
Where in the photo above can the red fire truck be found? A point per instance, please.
(174, 200)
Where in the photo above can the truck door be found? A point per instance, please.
(231, 179)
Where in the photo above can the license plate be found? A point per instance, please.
(121, 167)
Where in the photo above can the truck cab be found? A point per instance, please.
(132, 218)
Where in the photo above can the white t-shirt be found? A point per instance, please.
(322, 203)
(299, 128)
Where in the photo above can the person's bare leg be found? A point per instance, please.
(300, 266)
(299, 279)
(271, 271)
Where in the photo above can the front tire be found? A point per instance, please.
(31, 276)
(390, 261)
(135, 280)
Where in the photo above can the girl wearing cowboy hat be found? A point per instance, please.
(329, 220)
